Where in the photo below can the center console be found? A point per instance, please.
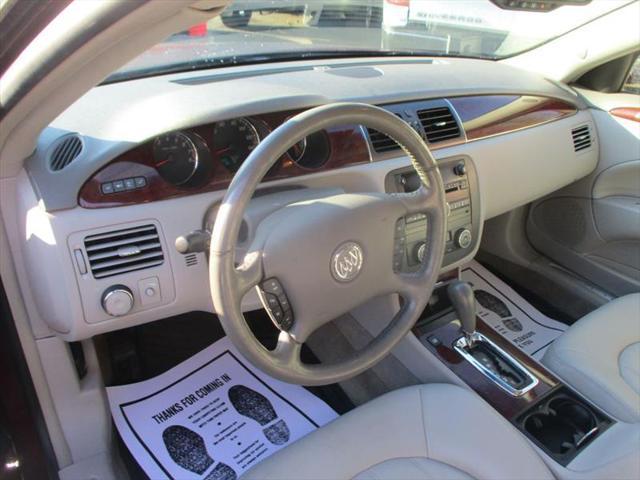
(463, 214)
(557, 419)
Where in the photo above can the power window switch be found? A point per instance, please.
(149, 289)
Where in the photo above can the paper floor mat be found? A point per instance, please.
(509, 314)
(212, 417)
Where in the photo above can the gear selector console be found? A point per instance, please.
(496, 364)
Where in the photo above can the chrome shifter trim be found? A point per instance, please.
(461, 346)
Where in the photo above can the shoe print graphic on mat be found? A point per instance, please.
(512, 324)
(493, 303)
(222, 472)
(256, 406)
(188, 450)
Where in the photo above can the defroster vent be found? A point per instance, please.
(65, 152)
(123, 251)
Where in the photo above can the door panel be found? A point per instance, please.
(592, 227)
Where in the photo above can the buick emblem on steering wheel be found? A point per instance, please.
(346, 262)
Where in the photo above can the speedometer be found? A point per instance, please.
(233, 141)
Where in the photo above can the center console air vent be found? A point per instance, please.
(65, 152)
(439, 124)
(581, 137)
(123, 251)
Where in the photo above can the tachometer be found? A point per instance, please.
(233, 141)
(175, 157)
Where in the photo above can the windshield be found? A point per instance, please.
(251, 31)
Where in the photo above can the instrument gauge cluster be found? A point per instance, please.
(205, 157)
(191, 158)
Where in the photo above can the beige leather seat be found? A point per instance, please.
(424, 432)
(599, 356)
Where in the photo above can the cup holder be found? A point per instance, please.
(563, 424)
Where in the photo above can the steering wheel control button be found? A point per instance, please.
(463, 238)
(150, 292)
(117, 300)
(272, 300)
(277, 304)
(399, 245)
(272, 285)
(347, 262)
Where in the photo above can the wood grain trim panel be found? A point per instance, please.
(508, 406)
(489, 115)
(347, 146)
(481, 116)
(628, 113)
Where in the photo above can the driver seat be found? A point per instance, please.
(436, 431)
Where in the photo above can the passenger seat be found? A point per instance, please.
(599, 356)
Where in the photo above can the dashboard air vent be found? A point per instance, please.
(439, 124)
(122, 251)
(65, 152)
(581, 138)
(382, 143)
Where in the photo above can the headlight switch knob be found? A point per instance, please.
(117, 300)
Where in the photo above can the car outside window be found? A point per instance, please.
(260, 31)
(632, 83)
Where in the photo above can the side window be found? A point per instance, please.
(632, 83)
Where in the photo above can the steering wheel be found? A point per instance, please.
(328, 255)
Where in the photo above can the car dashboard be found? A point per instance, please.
(133, 166)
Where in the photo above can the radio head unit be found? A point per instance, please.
(463, 214)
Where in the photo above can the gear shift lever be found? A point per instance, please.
(481, 352)
(461, 296)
